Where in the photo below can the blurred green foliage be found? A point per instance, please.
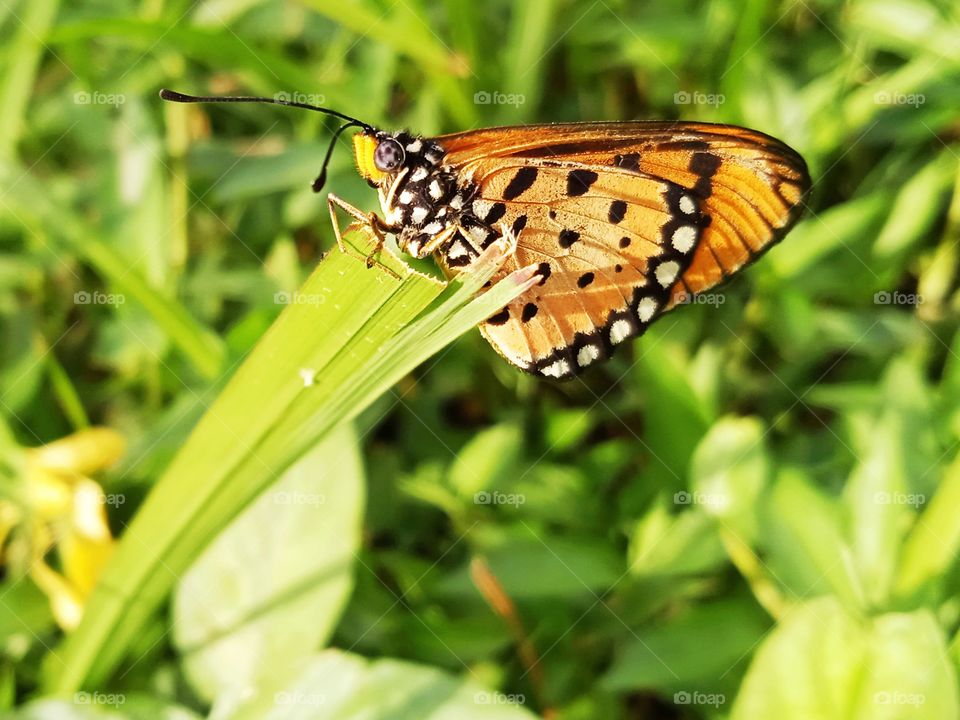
(750, 514)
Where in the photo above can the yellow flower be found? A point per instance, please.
(55, 505)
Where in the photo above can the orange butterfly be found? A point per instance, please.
(624, 219)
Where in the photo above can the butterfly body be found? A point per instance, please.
(624, 220)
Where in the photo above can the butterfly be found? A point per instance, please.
(624, 220)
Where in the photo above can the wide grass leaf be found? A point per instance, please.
(335, 685)
(269, 590)
(823, 663)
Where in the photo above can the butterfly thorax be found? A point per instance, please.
(425, 202)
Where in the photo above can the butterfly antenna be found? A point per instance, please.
(174, 96)
(322, 177)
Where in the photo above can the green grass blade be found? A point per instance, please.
(357, 331)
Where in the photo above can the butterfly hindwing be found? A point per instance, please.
(610, 245)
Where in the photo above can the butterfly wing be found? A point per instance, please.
(626, 220)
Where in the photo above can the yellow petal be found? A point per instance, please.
(83, 452)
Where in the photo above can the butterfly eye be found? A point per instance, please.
(388, 155)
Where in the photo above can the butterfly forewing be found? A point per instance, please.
(626, 220)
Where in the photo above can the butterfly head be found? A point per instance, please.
(378, 155)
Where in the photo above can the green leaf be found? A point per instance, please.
(346, 338)
(486, 460)
(335, 685)
(822, 662)
(932, 547)
(269, 590)
(662, 544)
(544, 567)
(103, 706)
(730, 469)
(802, 532)
(669, 656)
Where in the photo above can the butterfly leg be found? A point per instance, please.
(370, 220)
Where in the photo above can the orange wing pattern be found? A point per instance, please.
(625, 219)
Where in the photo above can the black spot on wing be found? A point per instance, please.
(630, 161)
(625, 242)
(529, 312)
(500, 318)
(579, 181)
(496, 212)
(585, 279)
(618, 211)
(519, 224)
(704, 165)
(568, 237)
(520, 182)
(543, 270)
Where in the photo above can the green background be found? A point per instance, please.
(750, 513)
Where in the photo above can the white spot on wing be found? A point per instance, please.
(684, 238)
(457, 202)
(415, 146)
(419, 174)
(666, 272)
(419, 215)
(557, 369)
(687, 205)
(478, 234)
(482, 208)
(457, 250)
(405, 197)
(435, 191)
(646, 309)
(620, 331)
(587, 354)
(433, 228)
